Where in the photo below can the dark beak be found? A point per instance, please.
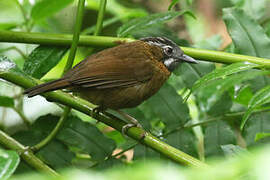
(188, 59)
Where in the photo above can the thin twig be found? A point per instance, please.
(101, 12)
(58, 126)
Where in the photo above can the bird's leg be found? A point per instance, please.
(132, 123)
(129, 118)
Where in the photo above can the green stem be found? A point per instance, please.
(71, 57)
(102, 41)
(86, 107)
(58, 126)
(262, 109)
(188, 125)
(76, 35)
(59, 39)
(24, 14)
(101, 12)
(26, 154)
(125, 150)
(223, 57)
(22, 10)
(117, 154)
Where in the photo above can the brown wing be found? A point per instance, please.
(111, 68)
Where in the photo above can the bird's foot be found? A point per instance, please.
(129, 118)
(132, 122)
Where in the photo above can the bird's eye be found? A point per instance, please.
(168, 50)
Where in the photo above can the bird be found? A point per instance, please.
(123, 76)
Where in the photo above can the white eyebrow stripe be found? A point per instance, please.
(161, 39)
(154, 43)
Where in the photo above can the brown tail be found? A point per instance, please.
(45, 87)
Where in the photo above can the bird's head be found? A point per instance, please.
(172, 53)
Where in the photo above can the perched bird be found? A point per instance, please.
(123, 76)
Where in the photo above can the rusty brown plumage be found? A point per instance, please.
(116, 78)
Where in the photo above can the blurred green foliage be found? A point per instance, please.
(239, 164)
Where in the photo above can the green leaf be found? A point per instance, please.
(258, 123)
(38, 130)
(256, 9)
(87, 138)
(6, 101)
(23, 168)
(145, 22)
(259, 83)
(108, 164)
(57, 155)
(143, 152)
(221, 73)
(10, 14)
(43, 59)
(184, 140)
(9, 160)
(190, 73)
(168, 105)
(46, 8)
(241, 94)
(215, 105)
(260, 136)
(260, 98)
(217, 134)
(248, 36)
(212, 92)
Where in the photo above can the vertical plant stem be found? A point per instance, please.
(24, 14)
(54, 131)
(76, 35)
(99, 24)
(101, 12)
(71, 57)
